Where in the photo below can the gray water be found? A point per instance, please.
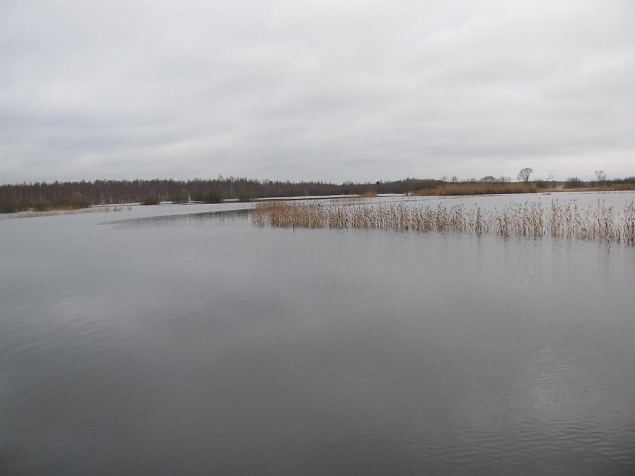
(203, 344)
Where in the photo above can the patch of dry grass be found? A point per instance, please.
(481, 188)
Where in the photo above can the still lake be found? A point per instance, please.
(163, 340)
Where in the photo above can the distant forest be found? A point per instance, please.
(43, 196)
(70, 195)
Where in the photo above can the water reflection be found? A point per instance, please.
(218, 215)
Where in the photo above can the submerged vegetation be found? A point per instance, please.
(530, 219)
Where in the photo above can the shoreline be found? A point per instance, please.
(102, 208)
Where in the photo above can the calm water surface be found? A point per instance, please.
(202, 344)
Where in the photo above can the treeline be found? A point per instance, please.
(61, 195)
(616, 184)
(70, 195)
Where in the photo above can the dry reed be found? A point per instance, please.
(529, 219)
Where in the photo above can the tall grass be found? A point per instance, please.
(530, 219)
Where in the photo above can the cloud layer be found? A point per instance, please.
(332, 90)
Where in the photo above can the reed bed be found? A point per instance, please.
(529, 219)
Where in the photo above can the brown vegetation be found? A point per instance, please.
(599, 187)
(529, 219)
(488, 188)
(482, 188)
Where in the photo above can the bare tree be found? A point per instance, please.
(524, 174)
(600, 175)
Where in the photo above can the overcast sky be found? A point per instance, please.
(330, 89)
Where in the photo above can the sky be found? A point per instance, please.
(331, 90)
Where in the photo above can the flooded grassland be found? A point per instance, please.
(202, 340)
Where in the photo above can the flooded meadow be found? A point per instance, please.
(212, 339)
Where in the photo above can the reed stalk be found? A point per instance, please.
(528, 219)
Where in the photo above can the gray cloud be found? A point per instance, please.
(335, 90)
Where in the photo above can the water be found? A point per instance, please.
(206, 345)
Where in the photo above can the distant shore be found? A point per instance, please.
(480, 188)
(40, 198)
